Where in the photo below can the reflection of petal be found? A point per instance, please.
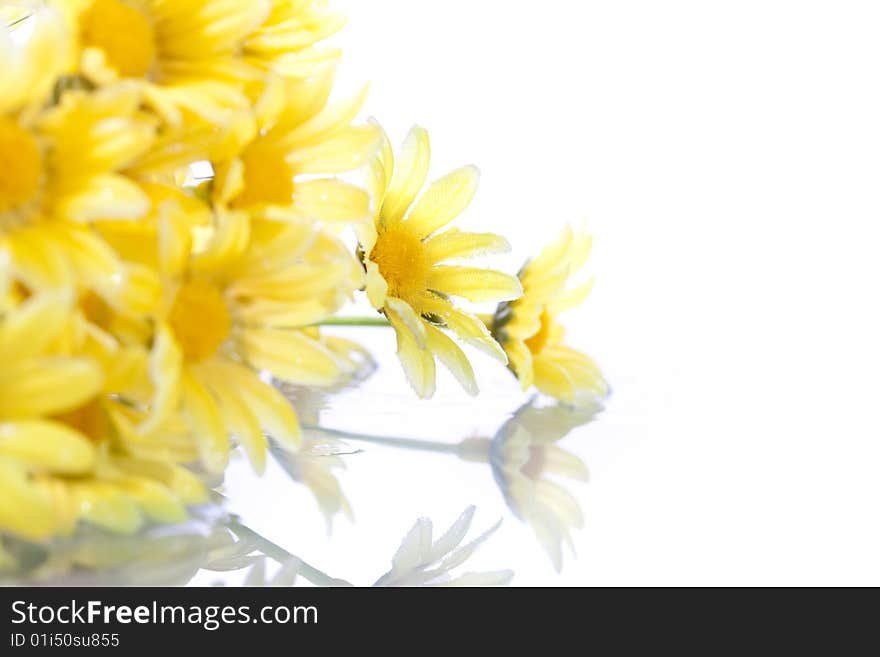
(316, 473)
(329, 447)
(420, 561)
(523, 453)
(158, 556)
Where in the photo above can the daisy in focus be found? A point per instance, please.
(406, 255)
(529, 330)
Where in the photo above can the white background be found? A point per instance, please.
(727, 157)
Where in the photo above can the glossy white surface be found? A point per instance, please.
(726, 157)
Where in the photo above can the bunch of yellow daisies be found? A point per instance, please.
(175, 193)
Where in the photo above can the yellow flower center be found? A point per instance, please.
(21, 167)
(200, 319)
(537, 342)
(124, 35)
(96, 310)
(90, 420)
(403, 262)
(268, 178)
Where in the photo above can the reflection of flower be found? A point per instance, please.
(422, 561)
(530, 333)
(404, 252)
(213, 541)
(523, 453)
(156, 556)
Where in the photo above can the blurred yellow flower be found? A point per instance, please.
(405, 257)
(530, 333)
(186, 55)
(283, 159)
(235, 308)
(58, 464)
(63, 168)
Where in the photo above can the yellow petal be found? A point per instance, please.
(470, 329)
(551, 379)
(346, 151)
(418, 363)
(582, 371)
(187, 486)
(166, 361)
(38, 261)
(474, 284)
(380, 173)
(376, 286)
(105, 506)
(36, 323)
(410, 172)
(274, 412)
(521, 362)
(400, 310)
(453, 358)
(453, 244)
(571, 298)
(331, 200)
(174, 237)
(330, 121)
(228, 242)
(94, 261)
(244, 425)
(46, 447)
(25, 510)
(105, 196)
(290, 356)
(207, 423)
(443, 201)
(153, 499)
(48, 385)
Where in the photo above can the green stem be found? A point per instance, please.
(270, 549)
(403, 443)
(353, 321)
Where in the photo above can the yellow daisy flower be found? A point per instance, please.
(58, 464)
(530, 333)
(186, 54)
(406, 256)
(285, 156)
(61, 169)
(235, 309)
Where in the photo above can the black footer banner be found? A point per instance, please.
(276, 620)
